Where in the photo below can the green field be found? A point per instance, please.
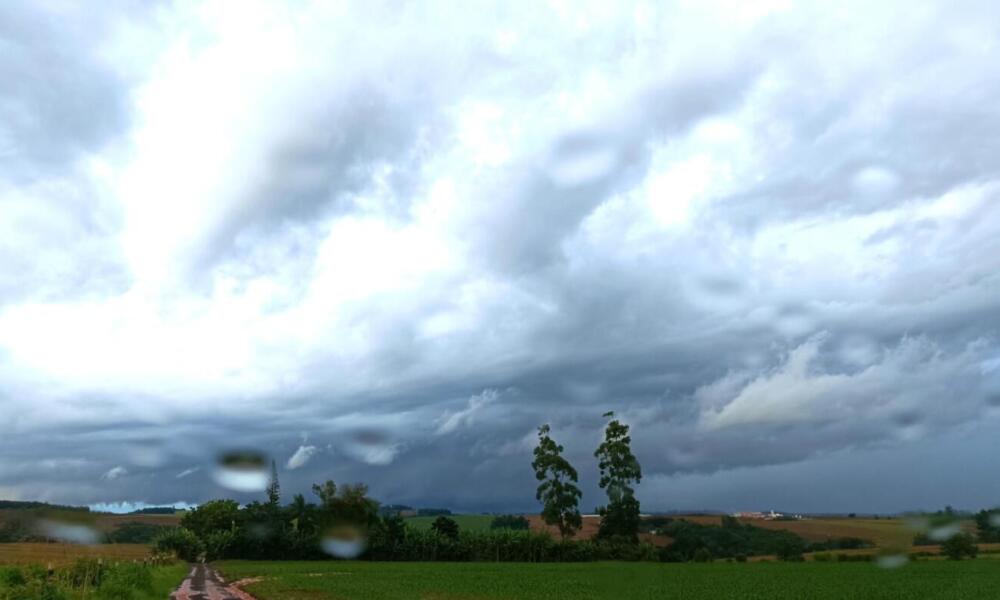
(602, 581)
(465, 522)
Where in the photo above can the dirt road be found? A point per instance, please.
(204, 583)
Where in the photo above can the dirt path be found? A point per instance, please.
(204, 583)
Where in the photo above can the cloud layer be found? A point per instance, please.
(768, 237)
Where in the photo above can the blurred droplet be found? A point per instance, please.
(582, 160)
(995, 519)
(345, 541)
(242, 471)
(892, 561)
(943, 533)
(69, 527)
(370, 437)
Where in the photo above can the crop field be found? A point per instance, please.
(944, 580)
(62, 554)
(883, 532)
(465, 522)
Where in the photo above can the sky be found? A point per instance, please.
(384, 242)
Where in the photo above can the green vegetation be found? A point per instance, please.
(90, 579)
(558, 493)
(465, 522)
(943, 580)
(619, 471)
(513, 522)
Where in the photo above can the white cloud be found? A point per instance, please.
(451, 421)
(114, 473)
(301, 457)
(187, 472)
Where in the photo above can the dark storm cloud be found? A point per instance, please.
(771, 257)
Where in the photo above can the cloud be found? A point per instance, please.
(301, 456)
(187, 472)
(693, 214)
(114, 473)
(450, 421)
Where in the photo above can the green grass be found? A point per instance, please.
(465, 522)
(165, 580)
(603, 581)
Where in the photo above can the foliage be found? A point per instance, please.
(730, 540)
(181, 541)
(558, 493)
(89, 578)
(433, 512)
(273, 487)
(214, 515)
(619, 469)
(515, 522)
(942, 580)
(988, 525)
(445, 527)
(960, 546)
(135, 533)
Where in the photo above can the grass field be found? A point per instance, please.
(465, 522)
(943, 580)
(63, 554)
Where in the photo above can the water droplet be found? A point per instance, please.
(892, 561)
(242, 471)
(75, 529)
(995, 519)
(345, 541)
(942, 533)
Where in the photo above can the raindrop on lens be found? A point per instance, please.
(68, 528)
(242, 471)
(344, 542)
(995, 519)
(944, 532)
(892, 561)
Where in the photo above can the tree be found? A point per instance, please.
(959, 546)
(988, 525)
(214, 515)
(445, 527)
(274, 488)
(619, 471)
(557, 491)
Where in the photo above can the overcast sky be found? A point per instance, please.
(385, 242)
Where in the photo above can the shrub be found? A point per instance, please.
(12, 577)
(960, 546)
(181, 542)
(445, 527)
(514, 522)
(702, 555)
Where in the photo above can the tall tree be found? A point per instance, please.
(619, 471)
(274, 488)
(557, 491)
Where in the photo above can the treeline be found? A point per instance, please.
(736, 540)
(27, 505)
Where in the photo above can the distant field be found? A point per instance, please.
(943, 580)
(883, 532)
(61, 554)
(107, 522)
(465, 522)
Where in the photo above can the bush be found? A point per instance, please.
(12, 577)
(514, 522)
(180, 541)
(445, 527)
(823, 557)
(960, 546)
(702, 555)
